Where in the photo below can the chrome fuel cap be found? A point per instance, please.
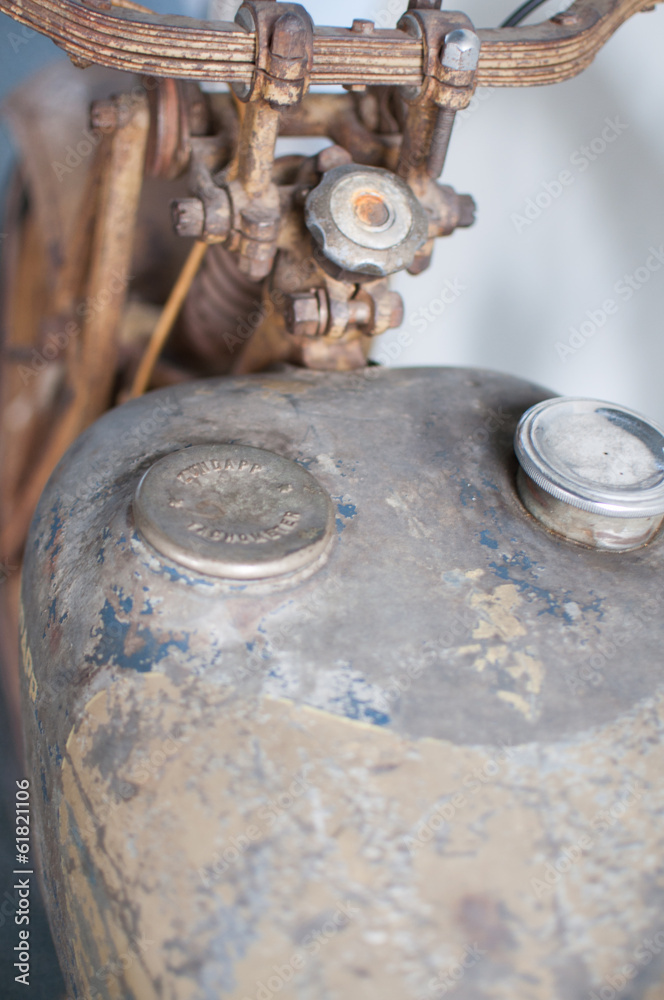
(592, 471)
(233, 511)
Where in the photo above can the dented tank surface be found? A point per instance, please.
(429, 763)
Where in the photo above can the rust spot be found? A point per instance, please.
(371, 210)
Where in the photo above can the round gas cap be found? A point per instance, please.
(233, 511)
(592, 471)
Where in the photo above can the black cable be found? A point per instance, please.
(523, 11)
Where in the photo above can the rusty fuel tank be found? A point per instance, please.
(316, 709)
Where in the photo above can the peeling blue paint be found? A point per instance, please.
(347, 511)
(354, 706)
(101, 555)
(486, 539)
(175, 576)
(52, 617)
(56, 524)
(89, 870)
(126, 602)
(555, 604)
(113, 633)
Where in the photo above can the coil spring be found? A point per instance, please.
(220, 312)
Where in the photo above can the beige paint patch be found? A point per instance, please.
(327, 464)
(498, 613)
(286, 864)
(474, 574)
(26, 655)
(517, 701)
(529, 668)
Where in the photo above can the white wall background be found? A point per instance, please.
(523, 288)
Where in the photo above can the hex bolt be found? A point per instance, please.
(361, 26)
(288, 38)
(460, 52)
(440, 141)
(396, 310)
(359, 312)
(188, 216)
(466, 205)
(306, 313)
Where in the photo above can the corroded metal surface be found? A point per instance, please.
(204, 50)
(436, 760)
(234, 512)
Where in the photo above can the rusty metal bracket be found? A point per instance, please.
(444, 86)
(284, 35)
(284, 52)
(241, 206)
(451, 53)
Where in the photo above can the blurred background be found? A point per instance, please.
(527, 289)
(526, 278)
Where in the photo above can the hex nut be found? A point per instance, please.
(303, 314)
(461, 50)
(188, 216)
